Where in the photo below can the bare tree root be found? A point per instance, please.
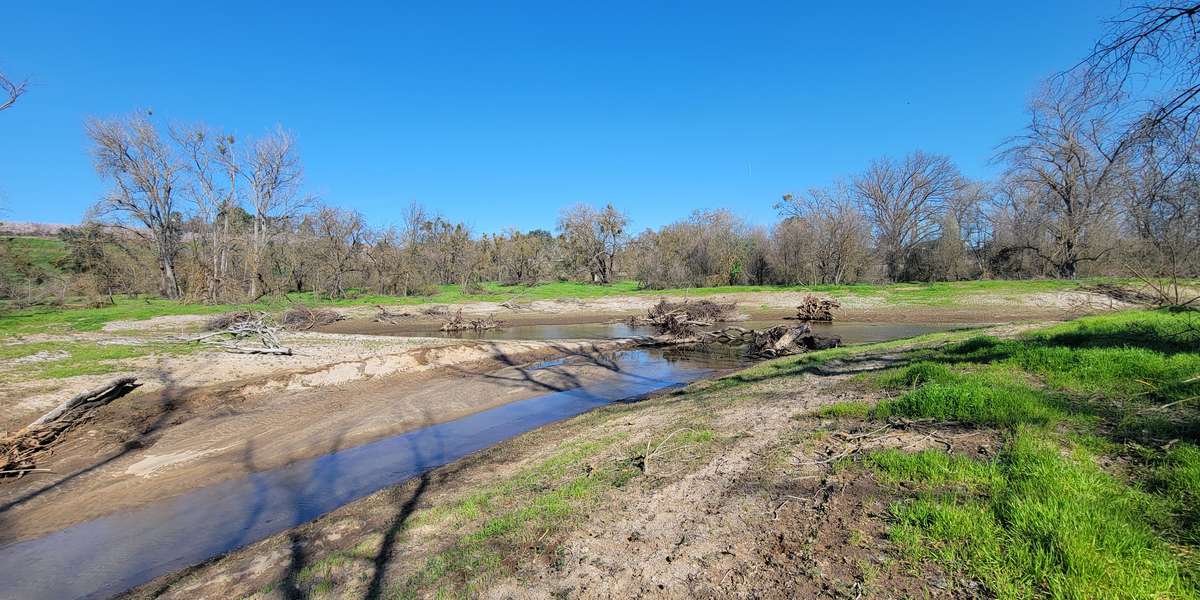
(813, 308)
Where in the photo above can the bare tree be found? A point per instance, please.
(592, 239)
(10, 90)
(837, 232)
(904, 200)
(145, 173)
(1069, 164)
(338, 240)
(1158, 45)
(212, 187)
(273, 174)
(1162, 205)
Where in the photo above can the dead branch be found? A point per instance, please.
(302, 318)
(392, 318)
(513, 304)
(243, 327)
(685, 318)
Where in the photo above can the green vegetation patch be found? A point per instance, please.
(1053, 525)
(1044, 519)
(57, 360)
(842, 410)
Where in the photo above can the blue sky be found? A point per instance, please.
(500, 113)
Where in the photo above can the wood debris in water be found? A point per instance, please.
(780, 340)
(458, 323)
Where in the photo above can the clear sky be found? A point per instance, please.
(500, 113)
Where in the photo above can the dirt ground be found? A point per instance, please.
(767, 512)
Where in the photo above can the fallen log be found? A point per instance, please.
(780, 340)
(89, 400)
(392, 318)
(18, 450)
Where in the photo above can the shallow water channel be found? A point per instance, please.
(111, 554)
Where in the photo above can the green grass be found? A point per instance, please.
(44, 253)
(1044, 519)
(1053, 525)
(995, 396)
(841, 410)
(934, 468)
(1112, 367)
(69, 359)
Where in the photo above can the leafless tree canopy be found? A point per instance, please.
(904, 200)
(146, 173)
(10, 90)
(1157, 44)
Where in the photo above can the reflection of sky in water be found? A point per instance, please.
(111, 554)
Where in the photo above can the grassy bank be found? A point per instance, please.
(1094, 491)
(49, 319)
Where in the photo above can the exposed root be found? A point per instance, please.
(686, 318)
(813, 308)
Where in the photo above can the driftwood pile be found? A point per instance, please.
(232, 331)
(813, 308)
(458, 323)
(302, 318)
(685, 318)
(18, 450)
(684, 322)
(780, 340)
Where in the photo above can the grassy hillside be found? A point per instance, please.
(43, 253)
